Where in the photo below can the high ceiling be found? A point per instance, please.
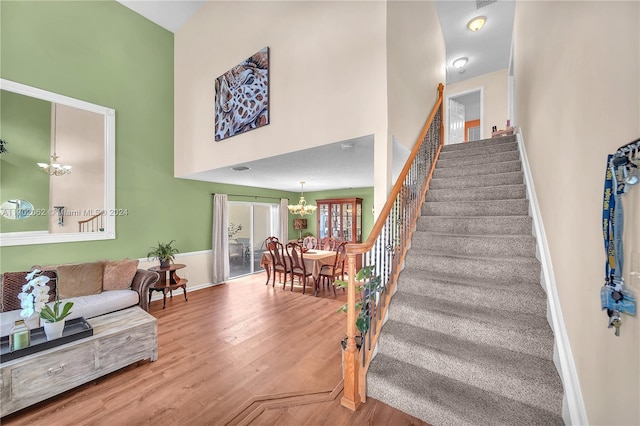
(488, 50)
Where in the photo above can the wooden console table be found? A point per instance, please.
(169, 281)
(119, 339)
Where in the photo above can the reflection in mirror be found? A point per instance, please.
(40, 125)
(16, 209)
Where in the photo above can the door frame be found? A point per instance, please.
(458, 94)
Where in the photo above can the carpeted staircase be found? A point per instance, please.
(467, 339)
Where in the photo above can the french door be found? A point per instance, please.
(249, 225)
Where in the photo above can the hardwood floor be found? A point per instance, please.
(238, 353)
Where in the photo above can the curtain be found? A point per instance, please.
(220, 239)
(283, 232)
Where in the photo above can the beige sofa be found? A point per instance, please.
(95, 288)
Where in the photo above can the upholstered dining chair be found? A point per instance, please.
(310, 242)
(278, 260)
(327, 243)
(328, 273)
(298, 269)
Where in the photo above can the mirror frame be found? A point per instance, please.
(109, 233)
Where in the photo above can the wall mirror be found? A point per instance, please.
(78, 206)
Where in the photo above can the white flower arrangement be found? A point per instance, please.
(35, 294)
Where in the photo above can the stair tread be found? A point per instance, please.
(453, 279)
(504, 320)
(488, 236)
(510, 259)
(488, 367)
(440, 400)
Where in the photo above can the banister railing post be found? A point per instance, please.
(351, 395)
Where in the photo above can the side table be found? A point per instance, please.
(169, 281)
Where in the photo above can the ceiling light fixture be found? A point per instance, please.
(302, 208)
(476, 23)
(460, 62)
(240, 168)
(55, 168)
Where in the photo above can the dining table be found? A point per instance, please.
(314, 260)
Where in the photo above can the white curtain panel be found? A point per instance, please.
(220, 239)
(283, 232)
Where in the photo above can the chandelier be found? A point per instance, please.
(302, 208)
(54, 168)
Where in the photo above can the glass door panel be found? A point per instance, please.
(336, 228)
(359, 223)
(323, 221)
(347, 217)
(249, 225)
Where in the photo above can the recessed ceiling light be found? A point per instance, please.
(240, 168)
(476, 23)
(460, 62)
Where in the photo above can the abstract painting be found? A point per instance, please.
(242, 97)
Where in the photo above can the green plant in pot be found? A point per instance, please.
(54, 318)
(164, 252)
(367, 284)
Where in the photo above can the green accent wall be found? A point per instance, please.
(104, 53)
(25, 123)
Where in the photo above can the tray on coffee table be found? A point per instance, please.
(74, 329)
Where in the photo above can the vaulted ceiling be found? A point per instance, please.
(487, 50)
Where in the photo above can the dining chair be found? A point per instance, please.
(278, 260)
(298, 268)
(310, 242)
(329, 273)
(327, 243)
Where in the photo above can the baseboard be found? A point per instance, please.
(573, 408)
(158, 295)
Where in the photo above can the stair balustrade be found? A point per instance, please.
(383, 255)
(94, 224)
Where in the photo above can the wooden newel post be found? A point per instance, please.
(351, 395)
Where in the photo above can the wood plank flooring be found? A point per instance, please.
(218, 354)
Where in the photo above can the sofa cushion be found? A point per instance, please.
(83, 306)
(11, 286)
(81, 279)
(118, 274)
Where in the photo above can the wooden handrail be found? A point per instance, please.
(83, 225)
(388, 247)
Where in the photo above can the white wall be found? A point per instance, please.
(415, 63)
(577, 84)
(495, 87)
(80, 143)
(327, 77)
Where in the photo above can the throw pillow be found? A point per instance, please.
(11, 286)
(81, 279)
(118, 274)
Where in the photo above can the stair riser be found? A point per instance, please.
(504, 192)
(524, 246)
(477, 208)
(528, 298)
(522, 270)
(475, 331)
(489, 378)
(506, 225)
(478, 159)
(478, 169)
(472, 152)
(464, 182)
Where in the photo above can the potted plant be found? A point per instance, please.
(165, 253)
(54, 319)
(368, 284)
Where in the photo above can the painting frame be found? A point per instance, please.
(241, 101)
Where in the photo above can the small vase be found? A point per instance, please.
(165, 263)
(33, 321)
(54, 330)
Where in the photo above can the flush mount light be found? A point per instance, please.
(240, 168)
(460, 62)
(347, 146)
(476, 23)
